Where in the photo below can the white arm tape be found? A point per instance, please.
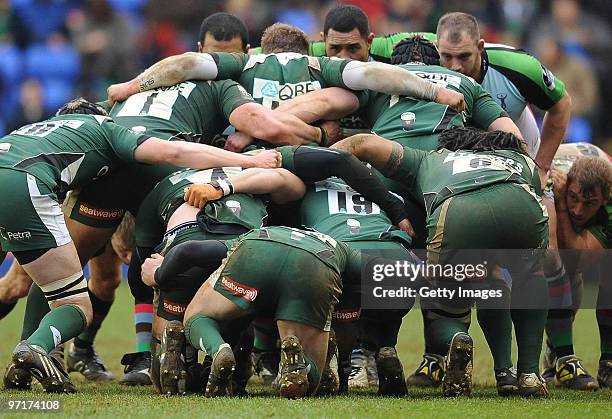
(388, 79)
(179, 68)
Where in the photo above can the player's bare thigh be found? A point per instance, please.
(15, 284)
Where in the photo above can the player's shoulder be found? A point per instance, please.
(282, 58)
(511, 58)
(441, 75)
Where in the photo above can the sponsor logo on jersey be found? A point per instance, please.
(502, 100)
(100, 213)
(441, 79)
(14, 235)
(346, 315)
(271, 89)
(548, 78)
(174, 308)
(5, 147)
(243, 291)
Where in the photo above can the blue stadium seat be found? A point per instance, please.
(11, 70)
(42, 17)
(127, 6)
(43, 61)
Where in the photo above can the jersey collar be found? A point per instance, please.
(484, 66)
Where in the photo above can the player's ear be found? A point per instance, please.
(199, 46)
(247, 48)
(370, 39)
(481, 43)
(322, 35)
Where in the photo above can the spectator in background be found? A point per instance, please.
(408, 16)
(31, 105)
(12, 28)
(580, 81)
(106, 45)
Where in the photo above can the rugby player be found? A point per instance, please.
(300, 295)
(75, 150)
(265, 85)
(582, 178)
(436, 178)
(423, 133)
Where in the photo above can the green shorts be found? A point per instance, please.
(102, 203)
(280, 281)
(501, 216)
(30, 215)
(178, 292)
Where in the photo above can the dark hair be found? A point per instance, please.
(456, 24)
(224, 27)
(592, 173)
(281, 37)
(463, 138)
(82, 107)
(344, 18)
(415, 49)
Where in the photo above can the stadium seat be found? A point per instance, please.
(11, 69)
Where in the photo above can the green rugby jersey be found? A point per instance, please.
(381, 48)
(513, 77)
(193, 110)
(167, 196)
(437, 175)
(69, 151)
(601, 225)
(329, 205)
(274, 78)
(333, 253)
(385, 112)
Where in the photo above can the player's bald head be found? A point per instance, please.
(454, 26)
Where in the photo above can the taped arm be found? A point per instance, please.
(167, 72)
(190, 254)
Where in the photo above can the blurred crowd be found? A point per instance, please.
(52, 50)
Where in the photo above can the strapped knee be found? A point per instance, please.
(74, 285)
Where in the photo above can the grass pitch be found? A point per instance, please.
(114, 400)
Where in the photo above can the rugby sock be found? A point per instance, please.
(204, 333)
(426, 325)
(6, 308)
(266, 335)
(440, 333)
(58, 326)
(314, 375)
(529, 327)
(100, 310)
(604, 321)
(143, 319)
(36, 308)
(496, 326)
(560, 314)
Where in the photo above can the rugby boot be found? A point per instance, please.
(457, 380)
(531, 385)
(604, 374)
(195, 378)
(391, 381)
(87, 362)
(293, 370)
(506, 382)
(221, 370)
(155, 362)
(172, 372)
(137, 370)
(429, 373)
(358, 377)
(570, 373)
(266, 365)
(330, 380)
(550, 364)
(17, 378)
(48, 371)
